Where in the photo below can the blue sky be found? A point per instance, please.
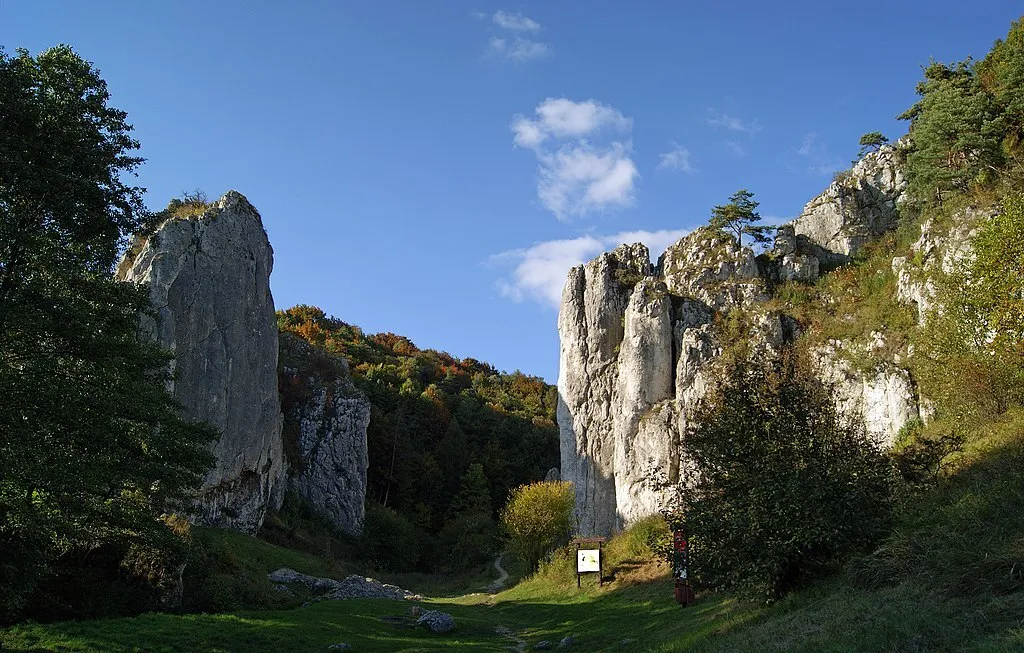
(433, 168)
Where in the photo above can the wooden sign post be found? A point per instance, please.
(588, 557)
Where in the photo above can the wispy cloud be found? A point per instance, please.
(578, 173)
(519, 49)
(736, 148)
(732, 123)
(678, 158)
(515, 22)
(512, 45)
(538, 272)
(809, 145)
(819, 161)
(561, 118)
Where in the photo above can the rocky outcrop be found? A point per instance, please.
(885, 396)
(591, 325)
(857, 207)
(353, 587)
(640, 346)
(936, 251)
(325, 433)
(638, 352)
(209, 284)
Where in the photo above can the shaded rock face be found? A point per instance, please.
(209, 283)
(640, 350)
(325, 434)
(855, 209)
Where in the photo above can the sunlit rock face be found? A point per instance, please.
(855, 209)
(641, 345)
(209, 285)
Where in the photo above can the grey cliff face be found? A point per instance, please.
(591, 322)
(326, 431)
(855, 209)
(209, 283)
(639, 349)
(635, 359)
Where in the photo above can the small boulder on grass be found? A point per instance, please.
(438, 622)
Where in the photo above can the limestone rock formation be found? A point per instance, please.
(936, 251)
(640, 345)
(592, 327)
(855, 208)
(885, 396)
(325, 433)
(209, 283)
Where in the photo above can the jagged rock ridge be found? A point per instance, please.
(638, 347)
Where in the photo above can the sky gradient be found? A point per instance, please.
(433, 168)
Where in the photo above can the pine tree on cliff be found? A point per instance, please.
(738, 218)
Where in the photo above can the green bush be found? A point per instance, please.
(538, 518)
(648, 537)
(783, 488)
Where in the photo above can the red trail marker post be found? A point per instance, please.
(681, 567)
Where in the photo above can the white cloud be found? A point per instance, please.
(527, 50)
(732, 123)
(736, 148)
(519, 49)
(539, 270)
(499, 45)
(678, 158)
(516, 22)
(563, 118)
(809, 145)
(579, 178)
(515, 47)
(577, 174)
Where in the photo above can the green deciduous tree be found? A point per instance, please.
(782, 487)
(92, 446)
(739, 216)
(538, 518)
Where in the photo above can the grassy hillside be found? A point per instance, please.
(950, 578)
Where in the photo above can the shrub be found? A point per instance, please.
(538, 518)
(783, 488)
(390, 541)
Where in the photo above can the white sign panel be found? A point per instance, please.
(588, 560)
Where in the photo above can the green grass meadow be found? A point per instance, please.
(950, 578)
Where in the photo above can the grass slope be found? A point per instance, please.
(950, 578)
